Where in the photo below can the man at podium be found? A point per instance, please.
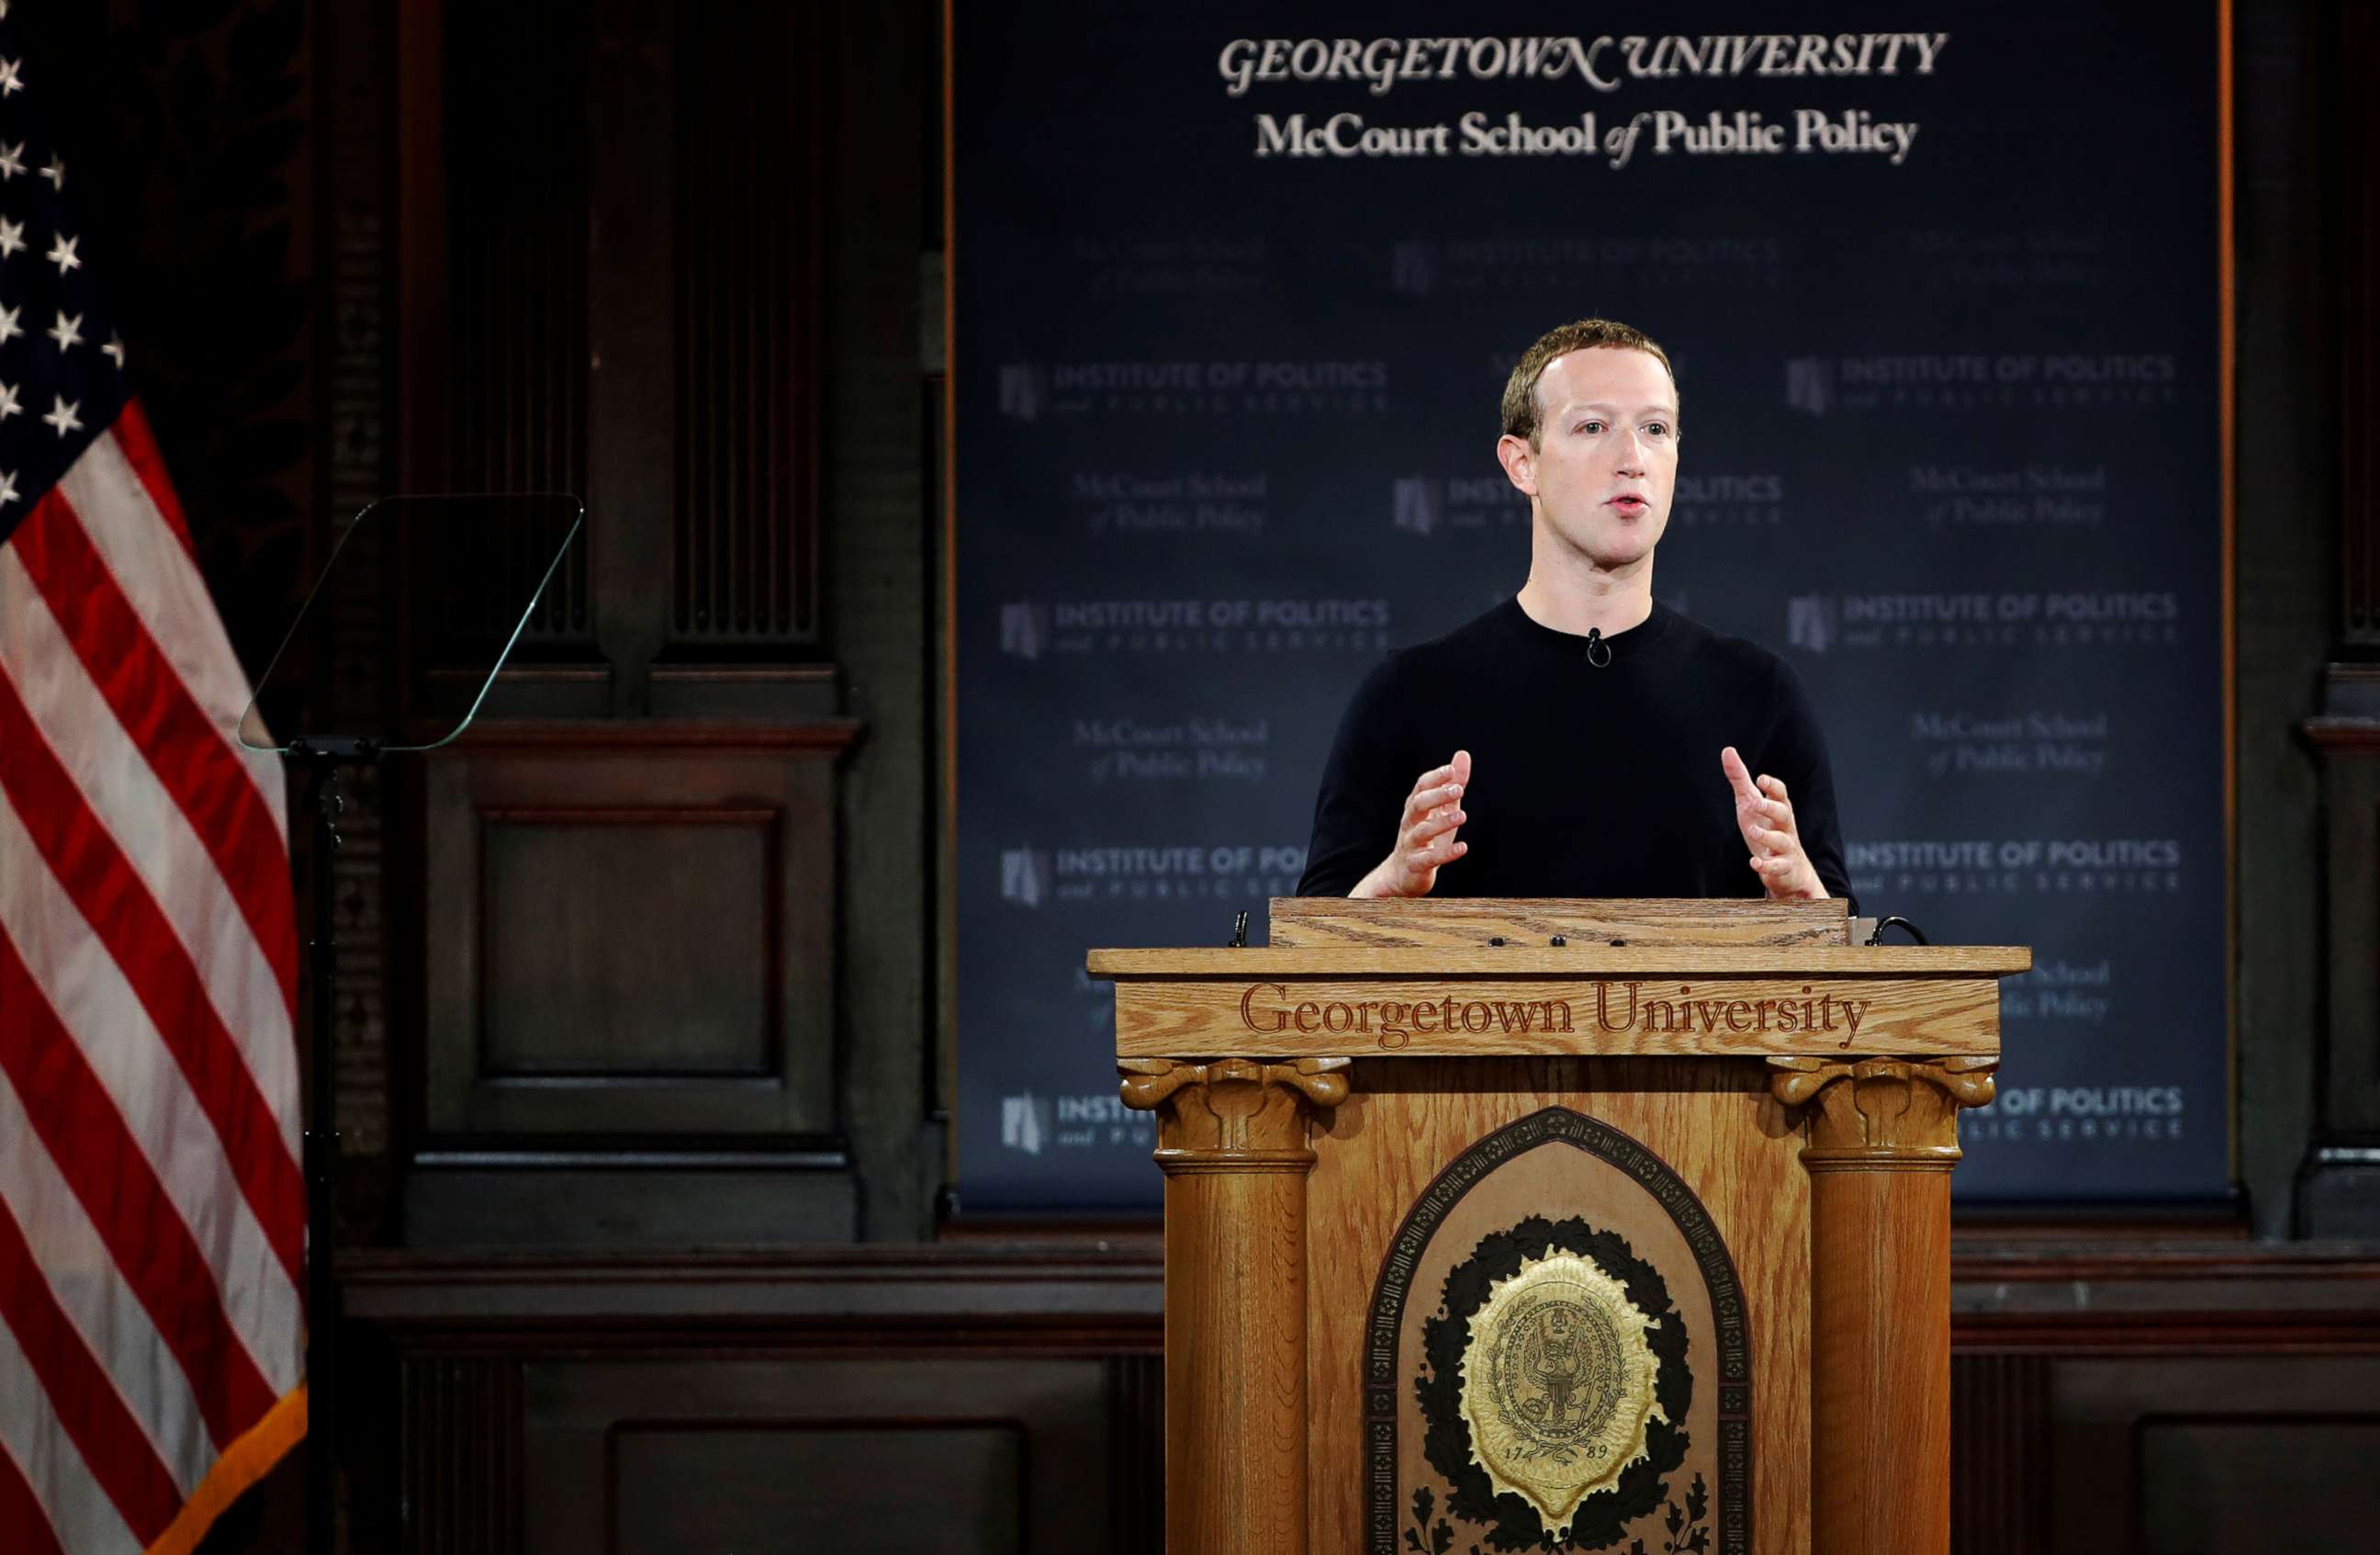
(1582, 739)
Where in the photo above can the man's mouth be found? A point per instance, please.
(1628, 504)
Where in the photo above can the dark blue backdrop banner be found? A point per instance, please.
(1236, 297)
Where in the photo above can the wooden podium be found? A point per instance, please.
(1486, 1220)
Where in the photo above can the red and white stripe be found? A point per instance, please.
(151, 1208)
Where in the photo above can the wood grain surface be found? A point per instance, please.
(1713, 1121)
(1880, 1364)
(1666, 1043)
(1232, 1139)
(1884, 1137)
(1724, 1015)
(1571, 961)
(1235, 1404)
(1312, 922)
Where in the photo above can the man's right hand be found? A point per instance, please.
(1425, 840)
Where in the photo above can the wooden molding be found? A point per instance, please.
(1319, 922)
(2334, 735)
(1234, 1115)
(834, 735)
(1065, 1297)
(1581, 961)
(1895, 1114)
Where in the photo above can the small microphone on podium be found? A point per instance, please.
(1598, 652)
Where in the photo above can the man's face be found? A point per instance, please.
(1608, 456)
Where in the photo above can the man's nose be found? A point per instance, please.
(1631, 454)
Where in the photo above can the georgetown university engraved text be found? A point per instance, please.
(1266, 1007)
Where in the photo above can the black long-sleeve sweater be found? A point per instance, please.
(1585, 780)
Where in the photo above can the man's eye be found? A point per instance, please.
(1590, 425)
(1658, 429)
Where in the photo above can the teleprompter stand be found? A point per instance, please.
(392, 567)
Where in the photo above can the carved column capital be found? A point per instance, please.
(1888, 1114)
(1232, 1114)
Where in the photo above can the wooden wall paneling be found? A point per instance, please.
(2338, 1189)
(2339, 1194)
(613, 216)
(2147, 1353)
(747, 291)
(570, 986)
(956, 1482)
(420, 453)
(1136, 1448)
(2128, 1468)
(612, 279)
(492, 380)
(2102, 1391)
(629, 987)
(459, 1448)
(742, 835)
(871, 75)
(517, 188)
(632, 423)
(1018, 1299)
(615, 255)
(983, 1399)
(1721, 1130)
(2350, 1072)
(2286, 561)
(1999, 1465)
(2222, 1483)
(628, 1199)
(2357, 137)
(732, 1452)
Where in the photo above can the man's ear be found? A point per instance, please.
(1520, 462)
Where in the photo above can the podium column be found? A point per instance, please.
(1232, 1140)
(1884, 1134)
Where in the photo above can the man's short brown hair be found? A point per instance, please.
(1522, 418)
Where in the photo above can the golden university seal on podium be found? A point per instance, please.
(1558, 1383)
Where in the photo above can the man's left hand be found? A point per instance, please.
(1765, 815)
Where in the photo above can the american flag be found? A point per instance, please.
(151, 1208)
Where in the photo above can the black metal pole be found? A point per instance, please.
(322, 1176)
